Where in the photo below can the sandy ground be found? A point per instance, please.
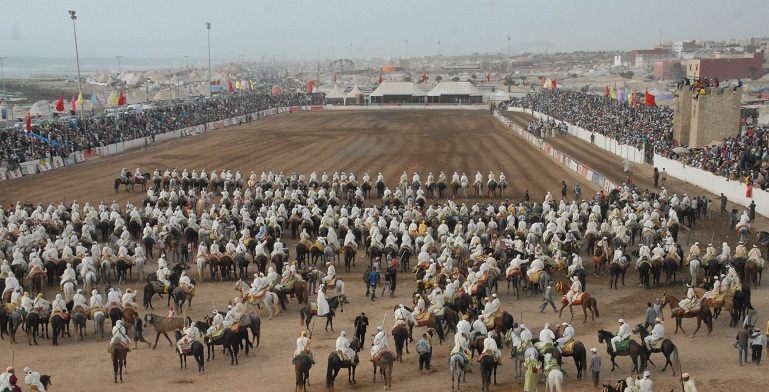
(387, 141)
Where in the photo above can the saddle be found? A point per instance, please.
(657, 346)
(64, 316)
(331, 284)
(342, 357)
(568, 347)
(35, 272)
(319, 246)
(94, 311)
(216, 335)
(490, 320)
(439, 313)
(303, 355)
(422, 319)
(235, 327)
(186, 289)
(10, 308)
(376, 356)
(483, 278)
(515, 271)
(623, 345)
(258, 295)
(313, 307)
(488, 354)
(159, 287)
(185, 347)
(112, 346)
(577, 300)
(535, 275)
(288, 283)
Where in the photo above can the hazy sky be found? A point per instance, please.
(172, 29)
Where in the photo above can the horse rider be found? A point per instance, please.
(740, 250)
(119, 335)
(546, 337)
(575, 290)
(566, 335)
(461, 343)
(726, 253)
(191, 334)
(691, 301)
(303, 346)
(464, 326)
(343, 347)
(576, 263)
(756, 255)
(96, 300)
(492, 307)
(186, 283)
(658, 333)
(69, 275)
(694, 252)
(490, 347)
(403, 316)
(710, 252)
(33, 380)
(380, 342)
(323, 307)
(162, 274)
(58, 305)
(114, 298)
(436, 301)
(79, 300)
(622, 334)
(129, 299)
(11, 283)
(124, 175)
(658, 253)
(479, 328)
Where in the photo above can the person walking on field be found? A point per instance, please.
(664, 176)
(742, 344)
(626, 165)
(656, 177)
(549, 298)
(595, 367)
(425, 350)
(361, 322)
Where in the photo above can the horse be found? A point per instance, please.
(488, 366)
(181, 296)
(349, 257)
(119, 360)
(752, 273)
(336, 302)
(694, 270)
(59, 325)
(385, 363)
(128, 182)
(79, 321)
(270, 300)
(229, 340)
(616, 270)
(196, 351)
(335, 363)
(667, 349)
(98, 325)
(587, 302)
(302, 365)
(458, 364)
(727, 304)
(702, 313)
(163, 325)
(634, 350)
(555, 380)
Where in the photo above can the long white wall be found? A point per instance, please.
(622, 150)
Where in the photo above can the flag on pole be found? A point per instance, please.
(554, 83)
(121, 99)
(627, 95)
(334, 76)
(612, 93)
(424, 77)
(60, 104)
(74, 105)
(488, 77)
(80, 99)
(380, 77)
(251, 85)
(650, 99)
(620, 96)
(238, 85)
(607, 92)
(229, 86)
(29, 122)
(635, 98)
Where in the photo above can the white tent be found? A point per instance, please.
(162, 95)
(398, 89)
(41, 108)
(354, 93)
(454, 88)
(336, 93)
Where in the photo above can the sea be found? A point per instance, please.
(66, 67)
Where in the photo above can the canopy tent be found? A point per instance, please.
(336, 94)
(41, 108)
(397, 92)
(454, 92)
(162, 95)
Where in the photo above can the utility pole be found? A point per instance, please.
(188, 61)
(8, 111)
(79, 80)
(208, 28)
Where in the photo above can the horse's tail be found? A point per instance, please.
(189, 320)
(301, 316)
(594, 305)
(329, 374)
(677, 363)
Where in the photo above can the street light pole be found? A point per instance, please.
(119, 69)
(208, 28)
(8, 112)
(508, 54)
(79, 81)
(188, 61)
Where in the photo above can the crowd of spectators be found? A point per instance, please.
(740, 158)
(61, 138)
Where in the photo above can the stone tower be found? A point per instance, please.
(703, 119)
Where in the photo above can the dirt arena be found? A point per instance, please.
(391, 142)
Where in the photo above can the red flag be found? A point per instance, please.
(29, 122)
(424, 77)
(607, 91)
(121, 99)
(229, 86)
(380, 78)
(74, 106)
(334, 77)
(650, 99)
(553, 83)
(488, 77)
(60, 104)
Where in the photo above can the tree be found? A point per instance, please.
(407, 78)
(455, 78)
(753, 69)
(677, 71)
(438, 78)
(509, 82)
(626, 74)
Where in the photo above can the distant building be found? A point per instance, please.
(663, 69)
(622, 60)
(685, 47)
(642, 58)
(726, 66)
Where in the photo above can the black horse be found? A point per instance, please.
(195, 350)
(333, 303)
(335, 363)
(229, 340)
(59, 325)
(668, 348)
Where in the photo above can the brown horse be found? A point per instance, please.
(634, 350)
(302, 365)
(703, 313)
(385, 362)
(599, 259)
(727, 304)
(299, 291)
(119, 360)
(752, 273)
(163, 325)
(588, 302)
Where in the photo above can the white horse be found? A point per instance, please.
(555, 380)
(139, 262)
(88, 280)
(201, 261)
(98, 325)
(694, 269)
(270, 299)
(69, 291)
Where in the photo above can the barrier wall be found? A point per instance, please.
(733, 190)
(431, 106)
(583, 170)
(622, 150)
(43, 165)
